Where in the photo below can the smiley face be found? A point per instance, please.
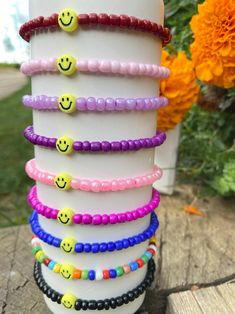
(65, 216)
(68, 20)
(68, 300)
(66, 64)
(68, 245)
(67, 103)
(63, 181)
(67, 271)
(64, 145)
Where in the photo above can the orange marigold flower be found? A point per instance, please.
(213, 49)
(180, 88)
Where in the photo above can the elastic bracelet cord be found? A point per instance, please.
(71, 302)
(66, 216)
(68, 65)
(70, 246)
(68, 103)
(64, 181)
(70, 272)
(66, 145)
(68, 20)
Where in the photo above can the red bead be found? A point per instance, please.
(83, 19)
(151, 251)
(114, 20)
(46, 22)
(141, 25)
(160, 30)
(105, 274)
(34, 236)
(93, 17)
(124, 21)
(148, 25)
(154, 27)
(140, 262)
(54, 19)
(133, 22)
(103, 19)
(46, 261)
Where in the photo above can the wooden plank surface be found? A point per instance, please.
(191, 250)
(212, 300)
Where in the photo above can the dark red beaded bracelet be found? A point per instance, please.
(103, 19)
(66, 145)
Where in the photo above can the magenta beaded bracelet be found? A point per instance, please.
(67, 217)
(68, 65)
(66, 145)
(64, 181)
(68, 103)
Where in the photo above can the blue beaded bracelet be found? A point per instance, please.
(69, 244)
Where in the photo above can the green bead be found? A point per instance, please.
(145, 259)
(119, 271)
(36, 249)
(84, 274)
(41, 258)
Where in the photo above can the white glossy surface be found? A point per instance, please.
(95, 43)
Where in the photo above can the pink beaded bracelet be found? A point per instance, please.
(64, 181)
(68, 103)
(67, 65)
(67, 217)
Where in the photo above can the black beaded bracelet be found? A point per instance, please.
(71, 302)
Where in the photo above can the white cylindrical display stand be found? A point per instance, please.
(96, 43)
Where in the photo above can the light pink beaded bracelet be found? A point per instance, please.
(68, 65)
(64, 181)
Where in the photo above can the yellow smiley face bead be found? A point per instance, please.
(63, 181)
(67, 103)
(65, 216)
(68, 300)
(64, 145)
(67, 271)
(66, 64)
(68, 20)
(68, 245)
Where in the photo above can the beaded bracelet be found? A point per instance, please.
(67, 65)
(69, 272)
(70, 246)
(66, 145)
(67, 217)
(64, 181)
(71, 302)
(68, 20)
(68, 103)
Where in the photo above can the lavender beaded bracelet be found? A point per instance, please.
(68, 103)
(67, 217)
(66, 145)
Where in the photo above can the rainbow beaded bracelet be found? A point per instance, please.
(68, 65)
(69, 244)
(71, 302)
(67, 217)
(64, 181)
(70, 272)
(68, 20)
(68, 103)
(66, 145)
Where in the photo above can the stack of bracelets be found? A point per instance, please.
(69, 21)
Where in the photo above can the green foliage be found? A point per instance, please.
(207, 150)
(14, 154)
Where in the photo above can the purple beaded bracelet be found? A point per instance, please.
(67, 217)
(66, 145)
(68, 103)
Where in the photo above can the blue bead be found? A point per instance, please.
(51, 265)
(44, 237)
(40, 233)
(87, 247)
(142, 237)
(125, 243)
(95, 248)
(91, 274)
(111, 246)
(119, 245)
(49, 239)
(148, 254)
(137, 239)
(103, 247)
(112, 273)
(131, 241)
(149, 234)
(133, 266)
(56, 242)
(78, 247)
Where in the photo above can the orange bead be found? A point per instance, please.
(77, 274)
